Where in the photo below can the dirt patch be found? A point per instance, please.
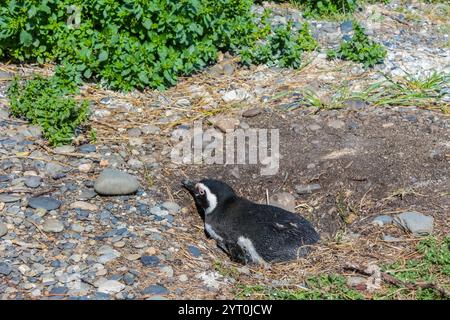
(366, 163)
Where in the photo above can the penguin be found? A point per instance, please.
(250, 233)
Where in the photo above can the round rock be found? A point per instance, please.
(3, 229)
(33, 181)
(113, 182)
(47, 203)
(53, 225)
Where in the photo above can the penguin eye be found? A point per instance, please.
(201, 191)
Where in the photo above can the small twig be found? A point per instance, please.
(396, 282)
(69, 154)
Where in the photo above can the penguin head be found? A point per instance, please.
(208, 193)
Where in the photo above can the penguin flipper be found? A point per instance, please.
(237, 254)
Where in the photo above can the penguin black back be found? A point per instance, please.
(248, 231)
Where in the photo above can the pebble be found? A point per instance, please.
(390, 238)
(115, 182)
(5, 268)
(336, 124)
(111, 286)
(346, 26)
(8, 198)
(87, 148)
(251, 112)
(283, 200)
(226, 124)
(3, 229)
(416, 223)
(83, 206)
(355, 281)
(310, 188)
(134, 132)
(236, 95)
(53, 225)
(382, 220)
(155, 289)
(45, 202)
(85, 167)
(194, 251)
(150, 261)
(183, 278)
(64, 149)
(33, 181)
(150, 129)
(172, 207)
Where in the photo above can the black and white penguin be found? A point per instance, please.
(247, 231)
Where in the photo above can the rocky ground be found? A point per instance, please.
(66, 232)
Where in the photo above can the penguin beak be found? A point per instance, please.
(189, 185)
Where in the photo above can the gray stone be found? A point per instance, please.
(53, 225)
(228, 69)
(355, 103)
(416, 223)
(64, 149)
(390, 238)
(5, 268)
(155, 289)
(150, 129)
(354, 281)
(382, 220)
(54, 169)
(309, 188)
(33, 181)
(33, 132)
(7, 198)
(3, 229)
(134, 132)
(172, 207)
(346, 26)
(114, 182)
(251, 112)
(236, 95)
(336, 124)
(194, 251)
(87, 148)
(111, 286)
(183, 103)
(150, 261)
(283, 200)
(4, 114)
(87, 194)
(47, 203)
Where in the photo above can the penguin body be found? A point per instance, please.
(247, 231)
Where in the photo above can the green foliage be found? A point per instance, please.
(49, 103)
(125, 44)
(432, 267)
(425, 92)
(283, 48)
(329, 7)
(325, 287)
(138, 43)
(359, 49)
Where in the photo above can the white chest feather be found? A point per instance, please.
(212, 233)
(247, 245)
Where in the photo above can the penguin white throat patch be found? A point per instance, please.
(210, 197)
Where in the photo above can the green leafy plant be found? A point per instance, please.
(359, 49)
(283, 48)
(329, 7)
(49, 103)
(126, 44)
(432, 268)
(426, 91)
(324, 287)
